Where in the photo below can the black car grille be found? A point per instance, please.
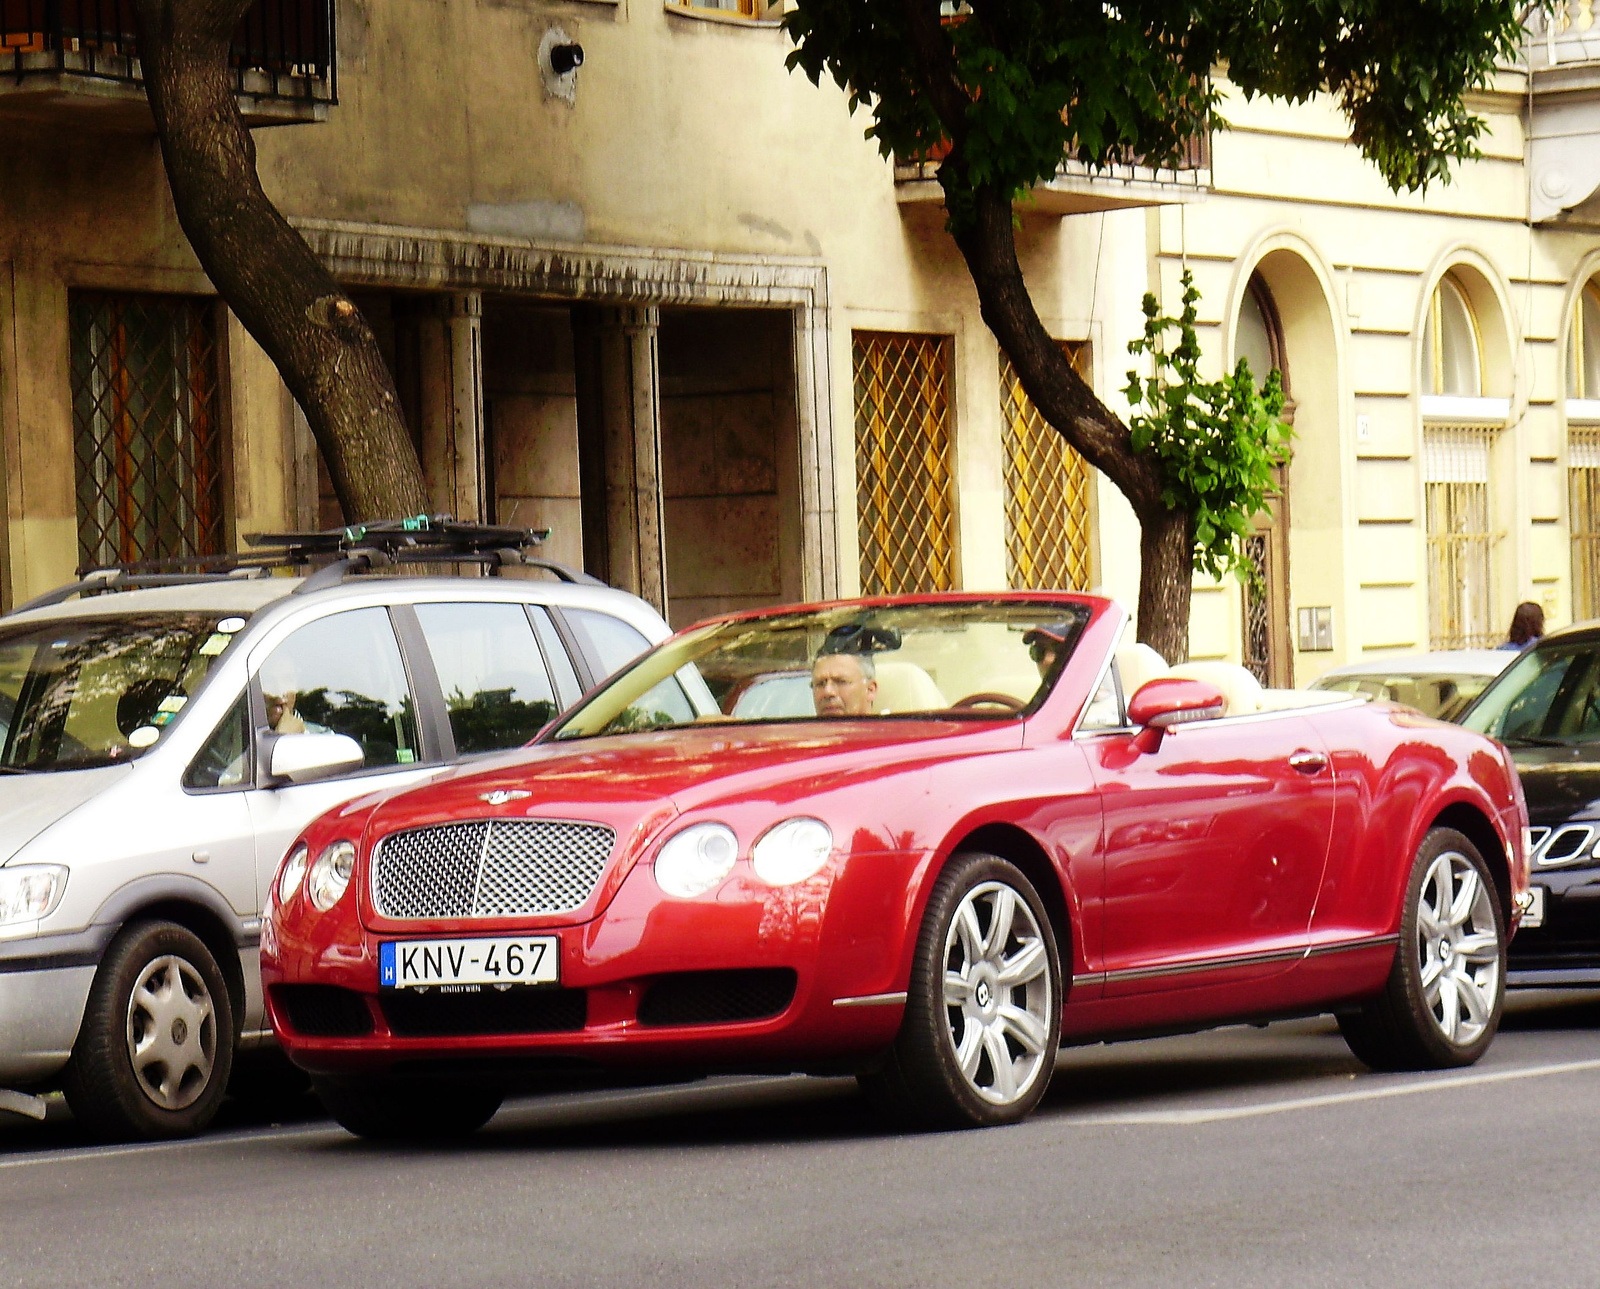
(717, 997)
(323, 1011)
(489, 868)
(432, 1014)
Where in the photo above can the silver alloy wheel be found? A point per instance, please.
(1458, 946)
(172, 1032)
(998, 993)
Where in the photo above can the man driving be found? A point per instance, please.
(1046, 644)
(843, 684)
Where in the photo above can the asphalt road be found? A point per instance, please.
(1244, 1157)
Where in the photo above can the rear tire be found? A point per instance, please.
(982, 1024)
(1441, 1006)
(155, 1047)
(417, 1111)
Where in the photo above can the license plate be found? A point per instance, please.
(1533, 915)
(515, 960)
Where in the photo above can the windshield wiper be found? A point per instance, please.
(1536, 740)
(16, 769)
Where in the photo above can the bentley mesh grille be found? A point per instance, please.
(489, 869)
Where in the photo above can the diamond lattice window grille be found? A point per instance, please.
(1048, 492)
(1460, 536)
(904, 471)
(146, 427)
(1583, 512)
(1257, 551)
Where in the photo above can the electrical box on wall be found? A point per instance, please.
(1316, 628)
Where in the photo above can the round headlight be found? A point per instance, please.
(331, 874)
(695, 860)
(791, 851)
(294, 868)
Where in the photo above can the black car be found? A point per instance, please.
(1545, 707)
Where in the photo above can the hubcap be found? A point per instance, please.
(1458, 947)
(997, 993)
(172, 1032)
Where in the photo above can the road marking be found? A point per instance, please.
(1217, 1114)
(146, 1147)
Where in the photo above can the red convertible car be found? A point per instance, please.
(923, 840)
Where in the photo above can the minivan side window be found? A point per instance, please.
(496, 689)
(224, 762)
(343, 674)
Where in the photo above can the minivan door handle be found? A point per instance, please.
(1307, 761)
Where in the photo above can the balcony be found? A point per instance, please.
(1077, 188)
(1562, 59)
(78, 60)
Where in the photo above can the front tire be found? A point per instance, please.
(155, 1048)
(399, 1111)
(982, 1024)
(1441, 1006)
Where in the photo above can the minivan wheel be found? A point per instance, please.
(982, 1023)
(156, 1045)
(1441, 1005)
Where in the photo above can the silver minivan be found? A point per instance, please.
(164, 745)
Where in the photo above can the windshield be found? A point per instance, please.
(983, 661)
(1435, 694)
(82, 692)
(1550, 695)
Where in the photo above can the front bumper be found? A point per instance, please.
(40, 1011)
(1564, 951)
(746, 977)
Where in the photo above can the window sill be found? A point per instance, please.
(723, 16)
(1586, 410)
(1471, 411)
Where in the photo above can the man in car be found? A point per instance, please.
(843, 684)
(1045, 646)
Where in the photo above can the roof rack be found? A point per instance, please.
(331, 556)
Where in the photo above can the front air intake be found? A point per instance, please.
(717, 997)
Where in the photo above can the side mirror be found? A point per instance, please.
(305, 758)
(1168, 701)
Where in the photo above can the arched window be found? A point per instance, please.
(1450, 343)
(1258, 338)
(1583, 353)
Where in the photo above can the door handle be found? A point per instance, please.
(1308, 762)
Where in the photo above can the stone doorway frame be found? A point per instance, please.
(465, 265)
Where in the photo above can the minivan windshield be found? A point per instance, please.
(82, 692)
(971, 660)
(1548, 696)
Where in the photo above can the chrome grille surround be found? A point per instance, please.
(489, 868)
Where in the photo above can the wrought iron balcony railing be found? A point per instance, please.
(1078, 187)
(283, 50)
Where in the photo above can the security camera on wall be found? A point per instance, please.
(559, 59)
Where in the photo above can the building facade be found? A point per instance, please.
(671, 304)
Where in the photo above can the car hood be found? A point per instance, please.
(622, 781)
(30, 803)
(1560, 782)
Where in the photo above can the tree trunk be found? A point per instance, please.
(1070, 406)
(281, 293)
(1166, 574)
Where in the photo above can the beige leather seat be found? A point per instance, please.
(1241, 689)
(906, 687)
(1138, 664)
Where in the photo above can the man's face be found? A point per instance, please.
(1044, 654)
(840, 688)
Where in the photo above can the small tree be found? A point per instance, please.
(1002, 90)
(263, 269)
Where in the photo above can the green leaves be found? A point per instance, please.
(1218, 442)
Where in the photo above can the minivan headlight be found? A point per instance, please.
(696, 859)
(330, 875)
(29, 892)
(791, 851)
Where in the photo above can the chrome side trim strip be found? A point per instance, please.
(1239, 960)
(872, 1000)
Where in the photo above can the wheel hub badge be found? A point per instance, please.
(982, 994)
(180, 1031)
